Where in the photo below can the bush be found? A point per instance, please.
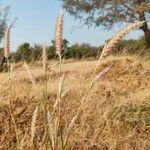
(77, 51)
(23, 52)
(81, 51)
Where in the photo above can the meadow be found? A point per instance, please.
(115, 115)
(68, 104)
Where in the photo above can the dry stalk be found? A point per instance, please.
(59, 98)
(58, 45)
(10, 70)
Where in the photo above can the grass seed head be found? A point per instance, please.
(119, 36)
(59, 33)
(7, 42)
(44, 55)
(31, 76)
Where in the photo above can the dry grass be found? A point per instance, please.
(74, 110)
(115, 116)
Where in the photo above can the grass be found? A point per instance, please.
(115, 115)
(92, 115)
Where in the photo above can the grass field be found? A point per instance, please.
(114, 116)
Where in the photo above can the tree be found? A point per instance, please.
(110, 12)
(65, 44)
(81, 51)
(36, 52)
(65, 49)
(51, 52)
(23, 52)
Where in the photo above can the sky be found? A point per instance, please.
(36, 21)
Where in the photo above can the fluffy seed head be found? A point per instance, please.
(31, 76)
(59, 33)
(7, 42)
(118, 37)
(33, 123)
(103, 72)
(44, 55)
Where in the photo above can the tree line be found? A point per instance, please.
(92, 12)
(33, 53)
(26, 52)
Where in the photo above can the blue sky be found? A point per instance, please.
(36, 24)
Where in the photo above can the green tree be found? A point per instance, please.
(24, 52)
(36, 52)
(65, 44)
(51, 52)
(82, 51)
(65, 49)
(110, 12)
